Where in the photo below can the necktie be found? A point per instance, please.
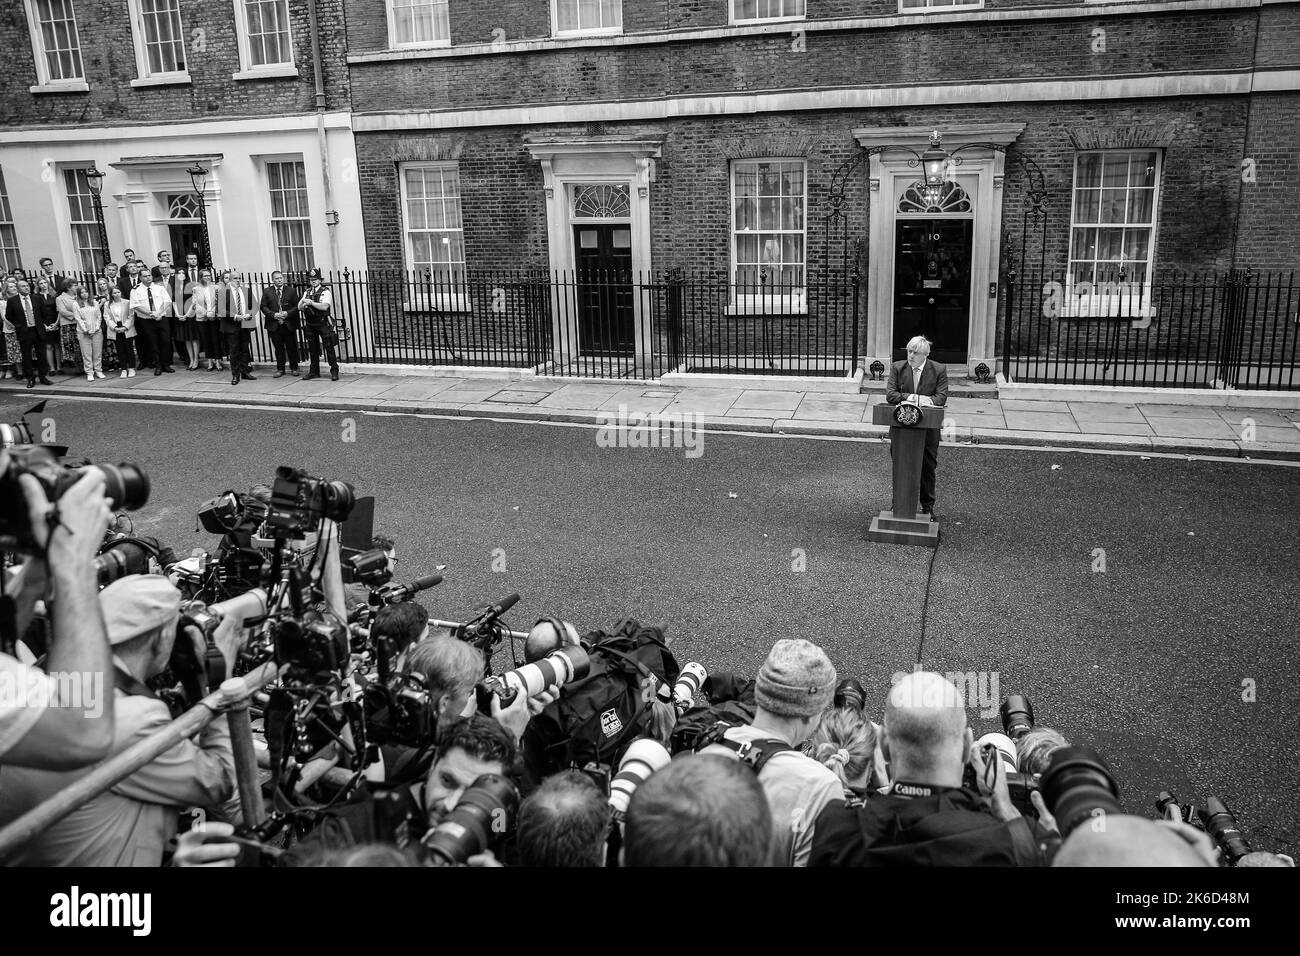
(149, 293)
(27, 310)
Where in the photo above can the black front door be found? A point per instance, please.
(185, 239)
(932, 260)
(603, 260)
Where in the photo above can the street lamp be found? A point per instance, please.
(95, 181)
(198, 176)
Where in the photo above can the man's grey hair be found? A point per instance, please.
(916, 341)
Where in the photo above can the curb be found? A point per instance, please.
(968, 436)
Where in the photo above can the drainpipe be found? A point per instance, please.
(331, 215)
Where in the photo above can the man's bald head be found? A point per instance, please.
(564, 823)
(1124, 840)
(925, 729)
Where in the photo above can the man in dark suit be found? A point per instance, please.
(128, 257)
(280, 313)
(925, 383)
(20, 312)
(235, 307)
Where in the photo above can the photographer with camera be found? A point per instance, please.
(38, 727)
(794, 686)
(1128, 840)
(130, 823)
(926, 817)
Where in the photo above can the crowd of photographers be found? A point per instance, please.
(391, 740)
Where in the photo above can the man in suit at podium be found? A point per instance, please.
(918, 380)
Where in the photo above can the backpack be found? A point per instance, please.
(731, 702)
(597, 718)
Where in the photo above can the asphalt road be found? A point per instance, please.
(1151, 660)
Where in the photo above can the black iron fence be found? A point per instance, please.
(590, 323)
(1237, 329)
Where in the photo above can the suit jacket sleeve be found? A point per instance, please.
(892, 393)
(941, 386)
(201, 774)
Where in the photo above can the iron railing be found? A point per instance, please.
(589, 323)
(1237, 329)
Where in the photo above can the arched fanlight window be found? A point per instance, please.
(601, 201)
(949, 197)
(183, 206)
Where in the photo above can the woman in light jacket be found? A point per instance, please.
(66, 306)
(90, 324)
(120, 322)
(103, 294)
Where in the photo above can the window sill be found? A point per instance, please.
(165, 79)
(1110, 310)
(438, 303)
(760, 21)
(574, 34)
(775, 306)
(281, 70)
(64, 86)
(425, 45)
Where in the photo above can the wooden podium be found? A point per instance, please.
(902, 525)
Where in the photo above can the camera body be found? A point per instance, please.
(399, 712)
(125, 486)
(299, 502)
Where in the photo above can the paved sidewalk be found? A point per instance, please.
(1157, 428)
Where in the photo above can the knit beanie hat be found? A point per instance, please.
(796, 680)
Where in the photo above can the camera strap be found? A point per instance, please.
(129, 685)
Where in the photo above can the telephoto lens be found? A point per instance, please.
(1222, 825)
(849, 693)
(689, 681)
(118, 561)
(643, 758)
(126, 486)
(1017, 716)
(557, 668)
(1078, 785)
(485, 812)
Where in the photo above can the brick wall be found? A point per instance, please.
(969, 51)
(109, 64)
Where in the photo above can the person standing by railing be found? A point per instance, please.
(203, 312)
(120, 323)
(236, 311)
(66, 306)
(280, 314)
(317, 306)
(90, 325)
(49, 317)
(152, 305)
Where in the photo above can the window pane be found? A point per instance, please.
(1141, 203)
(1112, 205)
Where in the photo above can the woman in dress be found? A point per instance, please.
(120, 323)
(48, 314)
(9, 363)
(203, 311)
(66, 305)
(90, 325)
(186, 330)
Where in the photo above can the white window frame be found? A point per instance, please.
(138, 42)
(7, 221)
(782, 18)
(1112, 299)
(44, 82)
(938, 6)
(271, 219)
(793, 303)
(247, 69)
(589, 31)
(442, 300)
(393, 43)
